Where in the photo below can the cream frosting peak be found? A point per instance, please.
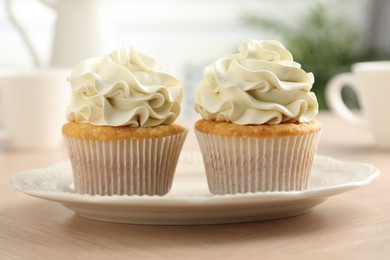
(125, 87)
(264, 50)
(134, 60)
(259, 85)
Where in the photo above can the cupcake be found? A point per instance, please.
(258, 131)
(120, 136)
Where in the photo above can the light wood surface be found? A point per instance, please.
(352, 225)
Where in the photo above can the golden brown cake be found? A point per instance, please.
(110, 133)
(257, 131)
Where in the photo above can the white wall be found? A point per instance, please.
(185, 35)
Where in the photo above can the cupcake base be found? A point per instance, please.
(124, 167)
(236, 164)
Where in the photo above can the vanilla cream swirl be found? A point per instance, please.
(123, 88)
(259, 85)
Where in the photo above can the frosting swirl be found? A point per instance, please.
(259, 85)
(125, 87)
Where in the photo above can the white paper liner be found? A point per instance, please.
(124, 167)
(241, 165)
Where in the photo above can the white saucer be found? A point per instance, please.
(190, 202)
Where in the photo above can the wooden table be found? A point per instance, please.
(352, 225)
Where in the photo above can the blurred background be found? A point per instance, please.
(325, 36)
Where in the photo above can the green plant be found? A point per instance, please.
(324, 44)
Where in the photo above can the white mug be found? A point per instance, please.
(371, 82)
(80, 31)
(33, 108)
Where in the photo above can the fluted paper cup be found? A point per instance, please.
(124, 167)
(241, 165)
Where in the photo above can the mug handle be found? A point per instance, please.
(335, 101)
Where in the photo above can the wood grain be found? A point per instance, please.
(353, 225)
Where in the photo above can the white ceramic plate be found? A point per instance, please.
(190, 202)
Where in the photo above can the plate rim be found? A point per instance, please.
(73, 197)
